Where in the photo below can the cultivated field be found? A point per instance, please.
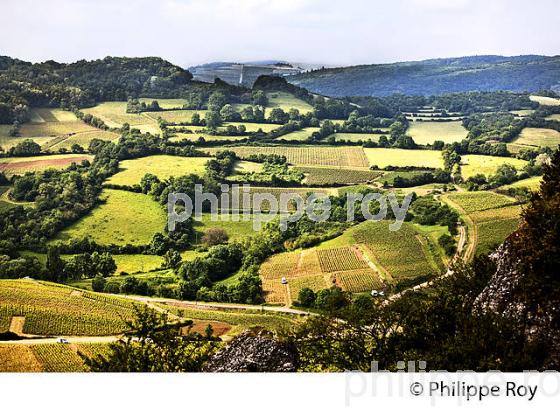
(52, 309)
(426, 132)
(162, 166)
(307, 156)
(336, 176)
(124, 218)
(545, 100)
(21, 165)
(235, 229)
(538, 137)
(384, 157)
(486, 165)
(194, 137)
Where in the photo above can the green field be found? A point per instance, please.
(285, 101)
(384, 157)
(426, 132)
(162, 166)
(486, 165)
(533, 184)
(235, 229)
(480, 200)
(553, 117)
(124, 218)
(538, 137)
(52, 309)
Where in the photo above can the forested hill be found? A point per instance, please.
(83, 83)
(435, 77)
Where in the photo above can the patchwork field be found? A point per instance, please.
(52, 309)
(538, 137)
(313, 155)
(21, 165)
(123, 218)
(426, 132)
(384, 157)
(486, 165)
(336, 176)
(194, 137)
(162, 166)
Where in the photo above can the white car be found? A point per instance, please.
(284, 281)
(62, 340)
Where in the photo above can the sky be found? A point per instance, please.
(330, 32)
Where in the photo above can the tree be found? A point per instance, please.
(26, 147)
(54, 264)
(216, 101)
(215, 236)
(213, 119)
(103, 264)
(306, 297)
(153, 344)
(172, 259)
(195, 119)
(259, 98)
(227, 113)
(98, 283)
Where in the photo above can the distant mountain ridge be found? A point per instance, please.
(436, 76)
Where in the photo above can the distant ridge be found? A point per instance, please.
(436, 76)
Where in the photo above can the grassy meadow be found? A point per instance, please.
(486, 165)
(162, 166)
(123, 218)
(426, 132)
(538, 137)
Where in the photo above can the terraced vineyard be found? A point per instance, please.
(340, 259)
(58, 358)
(51, 309)
(307, 156)
(403, 253)
(362, 280)
(336, 176)
(316, 269)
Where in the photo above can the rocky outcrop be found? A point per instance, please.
(254, 352)
(503, 296)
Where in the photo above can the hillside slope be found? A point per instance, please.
(435, 77)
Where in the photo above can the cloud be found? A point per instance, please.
(188, 32)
